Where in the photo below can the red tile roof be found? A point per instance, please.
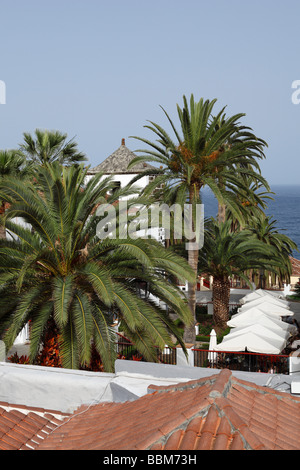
(295, 266)
(24, 428)
(217, 412)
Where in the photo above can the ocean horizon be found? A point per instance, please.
(284, 208)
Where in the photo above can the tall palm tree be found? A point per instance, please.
(211, 150)
(12, 163)
(63, 271)
(51, 146)
(226, 254)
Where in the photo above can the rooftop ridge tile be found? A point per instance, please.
(222, 384)
(238, 424)
(189, 384)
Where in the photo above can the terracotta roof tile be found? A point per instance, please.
(295, 266)
(218, 412)
(236, 443)
(173, 441)
(205, 442)
(224, 436)
(24, 430)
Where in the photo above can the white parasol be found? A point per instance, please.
(255, 315)
(269, 308)
(251, 342)
(212, 345)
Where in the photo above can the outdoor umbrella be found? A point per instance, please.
(264, 299)
(212, 344)
(261, 330)
(252, 296)
(268, 307)
(255, 315)
(251, 342)
(258, 294)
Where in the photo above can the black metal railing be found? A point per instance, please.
(244, 361)
(127, 350)
(167, 356)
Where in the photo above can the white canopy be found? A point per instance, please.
(252, 296)
(258, 294)
(264, 299)
(261, 330)
(255, 315)
(268, 307)
(252, 342)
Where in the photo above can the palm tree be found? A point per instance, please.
(253, 201)
(12, 163)
(61, 271)
(264, 229)
(51, 146)
(251, 181)
(226, 254)
(213, 151)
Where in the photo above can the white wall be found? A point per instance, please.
(125, 180)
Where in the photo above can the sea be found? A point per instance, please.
(284, 209)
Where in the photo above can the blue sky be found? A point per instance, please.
(98, 70)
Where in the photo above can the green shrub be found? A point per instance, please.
(201, 338)
(201, 310)
(203, 346)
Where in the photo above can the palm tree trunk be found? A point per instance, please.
(221, 207)
(189, 331)
(221, 296)
(189, 335)
(221, 212)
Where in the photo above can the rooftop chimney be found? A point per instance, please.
(123, 141)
